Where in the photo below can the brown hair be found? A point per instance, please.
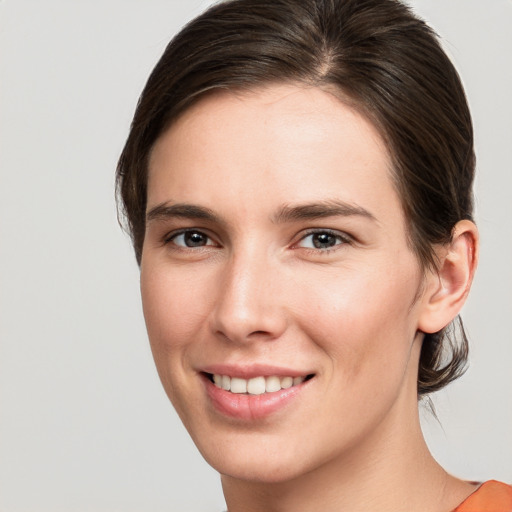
(378, 57)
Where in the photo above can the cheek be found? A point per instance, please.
(363, 319)
(174, 307)
(173, 313)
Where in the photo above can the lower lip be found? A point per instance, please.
(250, 407)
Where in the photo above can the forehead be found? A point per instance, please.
(300, 143)
(278, 106)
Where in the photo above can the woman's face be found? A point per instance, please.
(276, 254)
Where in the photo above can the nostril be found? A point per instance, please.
(259, 333)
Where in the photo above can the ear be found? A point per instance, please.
(447, 289)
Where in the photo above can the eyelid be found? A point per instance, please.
(169, 237)
(343, 236)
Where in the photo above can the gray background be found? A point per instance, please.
(84, 423)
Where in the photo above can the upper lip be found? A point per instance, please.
(253, 370)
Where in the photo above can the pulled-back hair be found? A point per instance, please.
(376, 56)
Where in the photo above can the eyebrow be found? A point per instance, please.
(186, 211)
(287, 213)
(318, 210)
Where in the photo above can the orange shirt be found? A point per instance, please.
(491, 496)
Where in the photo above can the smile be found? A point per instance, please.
(255, 397)
(256, 385)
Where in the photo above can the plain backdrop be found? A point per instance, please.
(84, 423)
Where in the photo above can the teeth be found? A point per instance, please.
(286, 382)
(297, 380)
(226, 383)
(256, 385)
(238, 385)
(272, 384)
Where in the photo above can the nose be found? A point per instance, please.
(249, 303)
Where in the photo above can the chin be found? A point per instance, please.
(264, 472)
(259, 458)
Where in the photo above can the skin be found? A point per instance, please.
(256, 290)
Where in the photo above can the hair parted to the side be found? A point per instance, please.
(378, 57)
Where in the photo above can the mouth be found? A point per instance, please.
(255, 392)
(259, 385)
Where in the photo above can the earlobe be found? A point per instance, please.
(447, 289)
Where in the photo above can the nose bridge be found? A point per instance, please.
(247, 305)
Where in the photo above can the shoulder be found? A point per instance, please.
(491, 496)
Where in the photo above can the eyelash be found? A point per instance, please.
(341, 239)
(171, 238)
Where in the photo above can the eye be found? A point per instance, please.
(322, 240)
(190, 239)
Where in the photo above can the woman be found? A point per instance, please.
(297, 184)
